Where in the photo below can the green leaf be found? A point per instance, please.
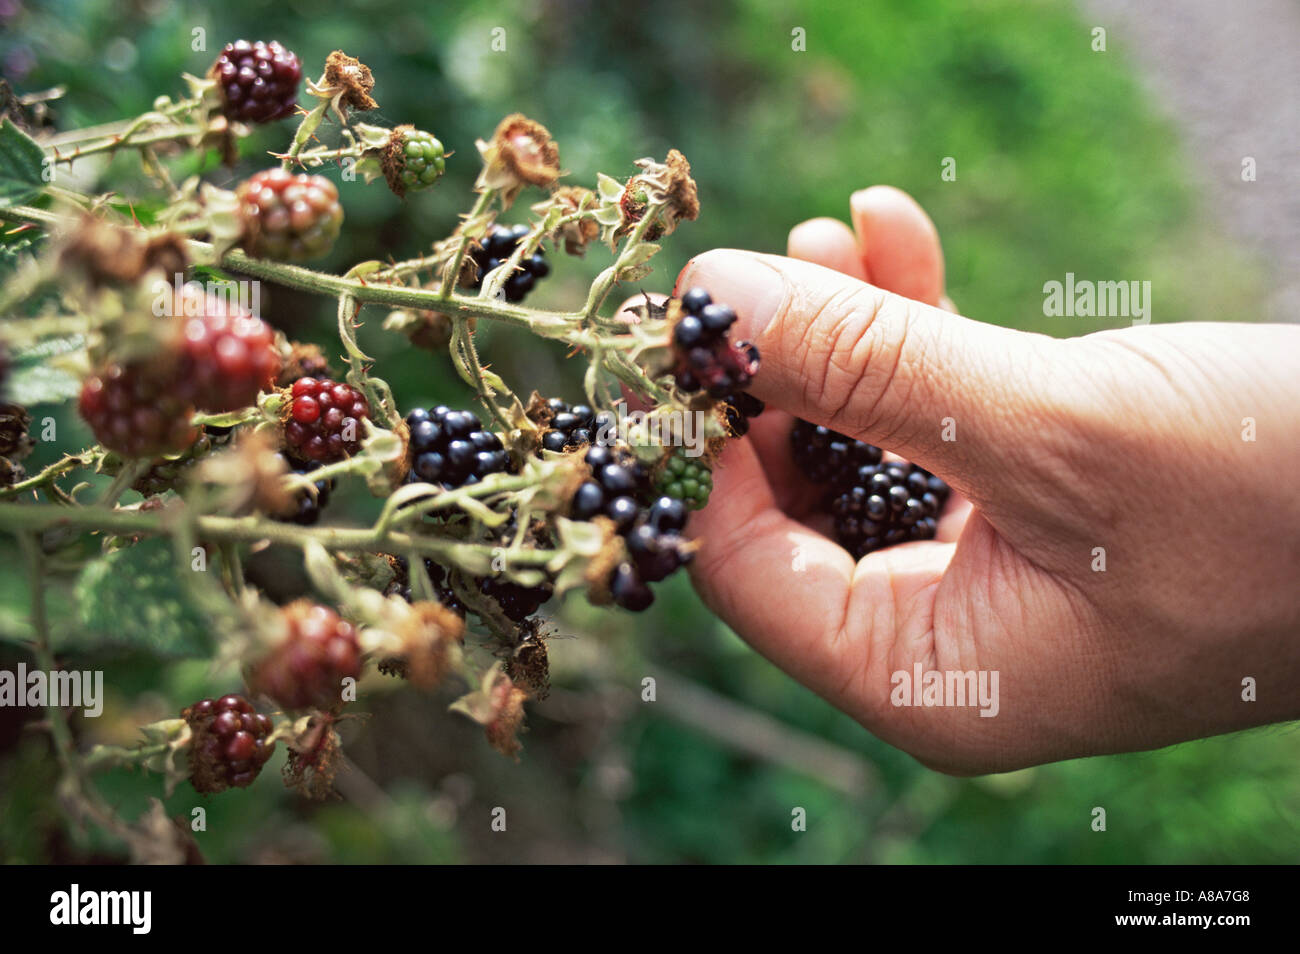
(21, 165)
(36, 379)
(134, 598)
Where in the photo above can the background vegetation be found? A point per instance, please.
(1062, 166)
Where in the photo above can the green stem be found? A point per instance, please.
(306, 129)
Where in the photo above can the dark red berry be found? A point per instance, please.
(228, 356)
(289, 217)
(704, 358)
(307, 667)
(229, 744)
(324, 422)
(258, 81)
(135, 410)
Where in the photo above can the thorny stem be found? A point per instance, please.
(124, 142)
(306, 129)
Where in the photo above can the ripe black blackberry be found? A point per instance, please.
(229, 746)
(887, 503)
(829, 457)
(518, 602)
(306, 507)
(401, 585)
(258, 81)
(705, 359)
(324, 421)
(452, 448)
(499, 244)
(739, 409)
(571, 427)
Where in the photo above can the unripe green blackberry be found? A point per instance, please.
(421, 160)
(685, 478)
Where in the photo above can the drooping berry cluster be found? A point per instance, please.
(228, 356)
(258, 81)
(229, 745)
(684, 478)
(421, 160)
(452, 448)
(306, 507)
(307, 668)
(571, 427)
(705, 359)
(498, 246)
(739, 409)
(874, 503)
(829, 457)
(324, 420)
(289, 217)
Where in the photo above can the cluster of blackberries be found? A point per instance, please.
(229, 745)
(287, 217)
(401, 584)
(829, 457)
(306, 507)
(307, 668)
(452, 448)
(874, 503)
(324, 422)
(517, 602)
(258, 81)
(739, 409)
(705, 359)
(571, 427)
(655, 547)
(498, 246)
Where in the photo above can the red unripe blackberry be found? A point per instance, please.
(307, 669)
(136, 411)
(258, 81)
(229, 746)
(324, 421)
(289, 217)
(228, 356)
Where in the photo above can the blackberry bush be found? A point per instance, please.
(252, 432)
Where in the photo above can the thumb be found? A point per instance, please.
(936, 388)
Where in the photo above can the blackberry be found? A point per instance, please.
(829, 457)
(704, 358)
(229, 744)
(307, 669)
(516, 601)
(571, 427)
(629, 590)
(289, 217)
(498, 246)
(227, 355)
(401, 585)
(258, 81)
(739, 409)
(685, 478)
(324, 422)
(420, 160)
(306, 507)
(887, 503)
(451, 448)
(135, 411)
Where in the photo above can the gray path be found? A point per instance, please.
(1228, 71)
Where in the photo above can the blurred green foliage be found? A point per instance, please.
(1062, 166)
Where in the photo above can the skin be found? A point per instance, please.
(1130, 440)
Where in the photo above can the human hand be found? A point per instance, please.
(1127, 440)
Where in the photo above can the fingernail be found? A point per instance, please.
(743, 280)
